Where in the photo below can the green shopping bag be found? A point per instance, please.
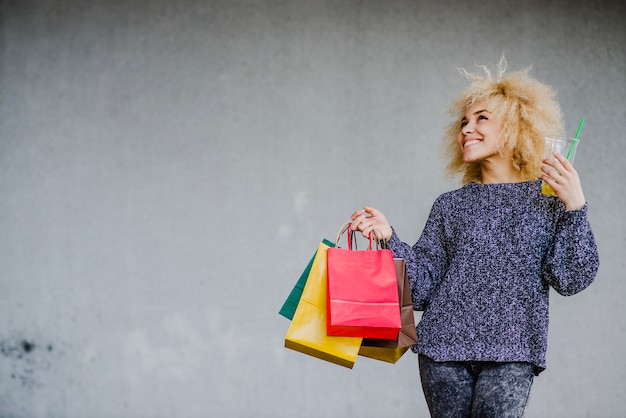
(307, 330)
(290, 305)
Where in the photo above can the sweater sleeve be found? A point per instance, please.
(572, 262)
(426, 261)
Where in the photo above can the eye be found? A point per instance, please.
(482, 117)
(463, 123)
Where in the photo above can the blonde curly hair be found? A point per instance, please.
(527, 110)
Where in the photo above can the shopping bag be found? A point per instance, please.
(307, 331)
(362, 299)
(289, 307)
(391, 350)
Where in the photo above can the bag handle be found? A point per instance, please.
(352, 237)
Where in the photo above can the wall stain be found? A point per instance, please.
(25, 357)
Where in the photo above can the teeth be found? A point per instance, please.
(472, 142)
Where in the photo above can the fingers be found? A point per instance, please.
(357, 213)
(369, 229)
(552, 169)
(367, 210)
(558, 170)
(549, 174)
(559, 163)
(372, 211)
(563, 178)
(363, 221)
(369, 220)
(564, 163)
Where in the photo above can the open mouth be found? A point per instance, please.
(471, 142)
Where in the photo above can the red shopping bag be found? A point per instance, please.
(362, 296)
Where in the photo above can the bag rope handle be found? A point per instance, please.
(352, 237)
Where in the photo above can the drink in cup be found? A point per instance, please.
(564, 146)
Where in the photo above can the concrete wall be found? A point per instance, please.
(167, 169)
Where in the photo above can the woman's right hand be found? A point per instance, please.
(371, 220)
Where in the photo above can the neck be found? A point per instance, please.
(499, 173)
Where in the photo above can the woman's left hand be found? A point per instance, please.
(560, 174)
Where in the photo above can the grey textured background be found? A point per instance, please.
(167, 169)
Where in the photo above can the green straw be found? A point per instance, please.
(571, 147)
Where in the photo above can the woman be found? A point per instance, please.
(490, 251)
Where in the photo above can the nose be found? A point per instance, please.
(468, 128)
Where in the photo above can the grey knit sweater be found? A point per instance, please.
(482, 269)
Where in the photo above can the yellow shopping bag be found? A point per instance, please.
(390, 355)
(307, 332)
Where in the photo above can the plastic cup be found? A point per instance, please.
(564, 146)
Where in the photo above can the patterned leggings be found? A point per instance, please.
(475, 388)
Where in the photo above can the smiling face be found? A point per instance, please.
(479, 137)
(525, 112)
